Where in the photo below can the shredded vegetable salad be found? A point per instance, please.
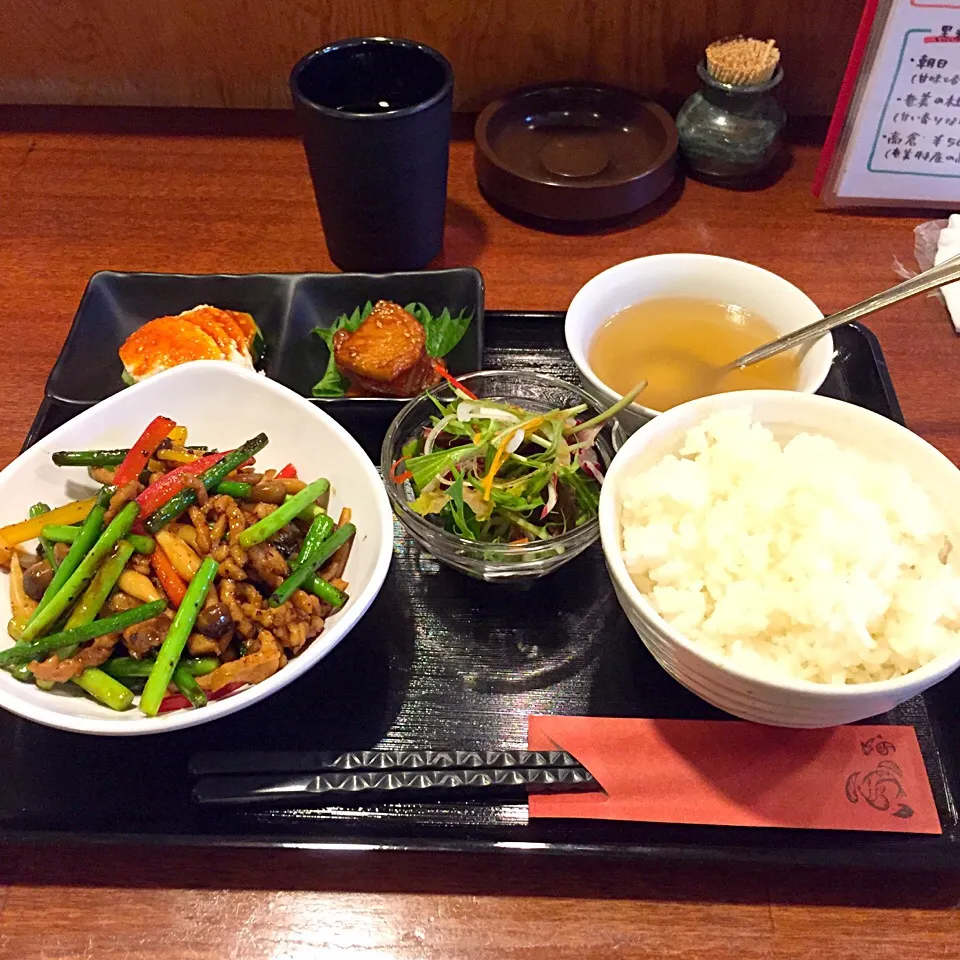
(491, 471)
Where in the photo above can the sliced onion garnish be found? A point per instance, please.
(551, 498)
(438, 428)
(590, 467)
(469, 410)
(513, 444)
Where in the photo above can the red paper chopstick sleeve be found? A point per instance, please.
(741, 774)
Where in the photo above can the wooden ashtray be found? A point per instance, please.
(574, 152)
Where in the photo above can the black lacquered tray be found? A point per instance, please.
(442, 661)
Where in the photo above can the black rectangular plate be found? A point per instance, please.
(286, 307)
(446, 662)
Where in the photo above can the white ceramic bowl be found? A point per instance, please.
(697, 275)
(221, 405)
(787, 704)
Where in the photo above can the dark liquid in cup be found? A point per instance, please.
(369, 106)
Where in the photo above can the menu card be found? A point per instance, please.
(895, 135)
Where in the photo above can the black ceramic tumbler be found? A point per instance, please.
(375, 119)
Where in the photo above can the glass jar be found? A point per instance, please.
(731, 133)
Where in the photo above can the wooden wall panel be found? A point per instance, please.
(237, 53)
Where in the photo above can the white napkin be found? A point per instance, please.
(948, 245)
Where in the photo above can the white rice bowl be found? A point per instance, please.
(798, 561)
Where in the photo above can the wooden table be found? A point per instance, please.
(86, 190)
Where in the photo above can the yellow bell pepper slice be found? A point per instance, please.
(178, 456)
(74, 512)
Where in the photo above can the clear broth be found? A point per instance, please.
(678, 345)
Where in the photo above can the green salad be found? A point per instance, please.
(444, 331)
(493, 472)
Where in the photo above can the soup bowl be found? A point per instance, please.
(700, 276)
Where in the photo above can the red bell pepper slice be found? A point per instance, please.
(146, 446)
(177, 701)
(441, 368)
(170, 484)
(289, 472)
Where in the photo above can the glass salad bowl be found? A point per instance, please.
(535, 548)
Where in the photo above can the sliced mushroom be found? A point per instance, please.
(214, 621)
(36, 579)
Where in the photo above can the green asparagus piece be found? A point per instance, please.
(176, 639)
(44, 618)
(272, 522)
(235, 489)
(92, 680)
(89, 458)
(209, 478)
(96, 594)
(310, 512)
(87, 537)
(320, 529)
(112, 693)
(36, 649)
(327, 592)
(201, 666)
(101, 458)
(127, 668)
(21, 672)
(317, 533)
(61, 533)
(185, 683)
(141, 543)
(308, 565)
(37, 510)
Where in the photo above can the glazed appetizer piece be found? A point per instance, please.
(202, 333)
(388, 350)
(386, 354)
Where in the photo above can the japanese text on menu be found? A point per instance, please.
(919, 130)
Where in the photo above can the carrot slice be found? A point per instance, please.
(170, 580)
(402, 477)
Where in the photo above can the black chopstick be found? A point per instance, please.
(248, 778)
(307, 761)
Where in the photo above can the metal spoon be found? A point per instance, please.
(936, 276)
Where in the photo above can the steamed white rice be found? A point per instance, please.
(801, 561)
